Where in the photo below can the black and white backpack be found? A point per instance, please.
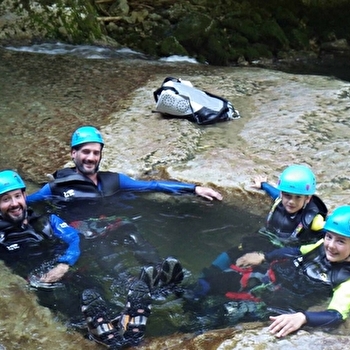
(178, 98)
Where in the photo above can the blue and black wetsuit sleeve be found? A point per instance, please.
(39, 195)
(70, 236)
(327, 318)
(127, 183)
(286, 252)
(273, 192)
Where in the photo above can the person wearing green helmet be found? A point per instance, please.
(85, 180)
(24, 234)
(295, 218)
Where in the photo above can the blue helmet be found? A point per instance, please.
(297, 179)
(10, 181)
(339, 221)
(86, 134)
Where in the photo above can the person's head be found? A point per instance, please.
(297, 184)
(337, 236)
(13, 205)
(86, 149)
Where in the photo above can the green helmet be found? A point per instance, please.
(339, 221)
(86, 134)
(297, 179)
(10, 181)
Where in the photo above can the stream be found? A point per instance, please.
(287, 117)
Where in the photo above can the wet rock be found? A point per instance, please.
(286, 118)
(338, 45)
(25, 325)
(254, 336)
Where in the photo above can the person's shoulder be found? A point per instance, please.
(318, 204)
(106, 173)
(63, 172)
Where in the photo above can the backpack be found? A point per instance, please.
(178, 98)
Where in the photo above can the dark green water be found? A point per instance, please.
(186, 227)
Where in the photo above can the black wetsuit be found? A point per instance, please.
(25, 246)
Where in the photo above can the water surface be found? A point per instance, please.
(191, 229)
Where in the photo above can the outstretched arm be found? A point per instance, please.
(283, 325)
(39, 195)
(70, 236)
(260, 183)
(336, 313)
(55, 274)
(127, 183)
(208, 193)
(257, 258)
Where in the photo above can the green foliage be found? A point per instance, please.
(217, 31)
(149, 46)
(71, 21)
(217, 51)
(194, 25)
(239, 40)
(262, 50)
(171, 46)
(329, 19)
(272, 34)
(298, 39)
(250, 30)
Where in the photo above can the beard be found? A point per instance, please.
(83, 170)
(16, 219)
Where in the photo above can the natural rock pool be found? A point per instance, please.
(286, 118)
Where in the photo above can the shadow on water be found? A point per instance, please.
(336, 68)
(189, 228)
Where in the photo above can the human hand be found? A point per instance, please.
(258, 181)
(283, 325)
(250, 259)
(55, 274)
(208, 193)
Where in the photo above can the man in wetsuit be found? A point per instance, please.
(26, 237)
(85, 179)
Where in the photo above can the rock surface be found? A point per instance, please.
(286, 119)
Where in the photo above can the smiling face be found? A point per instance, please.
(294, 202)
(87, 158)
(13, 206)
(337, 247)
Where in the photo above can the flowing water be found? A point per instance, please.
(43, 96)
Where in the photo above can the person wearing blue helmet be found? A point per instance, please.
(42, 249)
(295, 218)
(297, 213)
(298, 278)
(85, 180)
(23, 234)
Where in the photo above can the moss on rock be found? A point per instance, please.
(211, 31)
